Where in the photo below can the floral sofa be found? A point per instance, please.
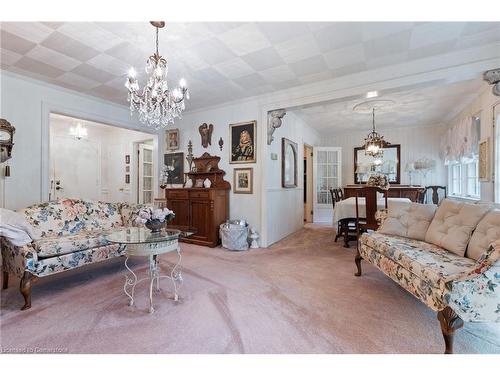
(448, 257)
(71, 234)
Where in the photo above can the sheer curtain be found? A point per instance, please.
(461, 141)
(496, 114)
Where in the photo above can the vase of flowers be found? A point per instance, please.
(154, 219)
(379, 180)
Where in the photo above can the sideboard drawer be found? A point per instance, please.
(176, 194)
(199, 194)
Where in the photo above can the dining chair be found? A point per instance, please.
(420, 196)
(369, 222)
(339, 231)
(337, 195)
(435, 193)
(340, 193)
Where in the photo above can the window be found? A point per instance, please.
(463, 180)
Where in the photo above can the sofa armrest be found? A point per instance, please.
(475, 296)
(18, 259)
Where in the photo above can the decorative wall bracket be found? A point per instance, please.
(493, 78)
(274, 122)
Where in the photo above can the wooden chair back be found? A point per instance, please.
(334, 197)
(435, 193)
(340, 194)
(370, 195)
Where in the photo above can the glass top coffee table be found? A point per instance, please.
(142, 242)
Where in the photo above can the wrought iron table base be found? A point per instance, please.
(131, 280)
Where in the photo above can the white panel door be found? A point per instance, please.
(76, 168)
(327, 172)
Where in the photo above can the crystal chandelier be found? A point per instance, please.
(156, 104)
(374, 142)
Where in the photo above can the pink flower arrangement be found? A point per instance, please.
(148, 213)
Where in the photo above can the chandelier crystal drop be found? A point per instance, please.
(156, 105)
(374, 142)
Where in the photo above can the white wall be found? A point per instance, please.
(285, 206)
(24, 103)
(483, 106)
(416, 143)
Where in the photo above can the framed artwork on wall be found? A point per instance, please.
(127, 159)
(172, 140)
(127, 179)
(176, 161)
(288, 163)
(484, 161)
(243, 142)
(243, 181)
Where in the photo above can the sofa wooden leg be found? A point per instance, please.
(25, 289)
(449, 322)
(5, 281)
(357, 260)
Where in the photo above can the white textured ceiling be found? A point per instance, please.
(423, 106)
(224, 61)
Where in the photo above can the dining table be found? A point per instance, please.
(346, 208)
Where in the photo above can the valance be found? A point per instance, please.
(461, 141)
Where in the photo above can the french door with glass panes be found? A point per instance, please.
(327, 172)
(146, 174)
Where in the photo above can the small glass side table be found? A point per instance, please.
(142, 242)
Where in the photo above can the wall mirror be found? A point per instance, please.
(288, 163)
(388, 164)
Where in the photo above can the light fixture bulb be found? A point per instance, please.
(371, 94)
(182, 83)
(132, 73)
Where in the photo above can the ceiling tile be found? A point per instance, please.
(8, 57)
(349, 69)
(278, 32)
(309, 66)
(479, 39)
(221, 27)
(244, 39)
(107, 92)
(127, 53)
(263, 59)
(208, 75)
(375, 30)
(191, 59)
(435, 32)
(109, 64)
(27, 63)
(234, 68)
(298, 48)
(33, 31)
(91, 72)
(14, 43)
(90, 34)
(213, 51)
(432, 49)
(286, 84)
(338, 35)
(53, 25)
(277, 74)
(345, 56)
(78, 81)
(389, 45)
(472, 28)
(250, 81)
(316, 77)
(54, 58)
(387, 60)
(68, 46)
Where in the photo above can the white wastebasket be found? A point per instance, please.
(234, 235)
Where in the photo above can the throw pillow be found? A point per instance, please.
(453, 224)
(486, 232)
(410, 220)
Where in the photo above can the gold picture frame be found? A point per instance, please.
(172, 140)
(237, 155)
(243, 180)
(484, 161)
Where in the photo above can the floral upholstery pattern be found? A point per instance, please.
(438, 277)
(72, 234)
(70, 216)
(52, 246)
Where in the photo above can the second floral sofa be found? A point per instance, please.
(448, 257)
(70, 234)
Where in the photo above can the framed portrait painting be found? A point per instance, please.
(288, 163)
(243, 180)
(243, 141)
(172, 139)
(176, 161)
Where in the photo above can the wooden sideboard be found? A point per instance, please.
(395, 191)
(197, 208)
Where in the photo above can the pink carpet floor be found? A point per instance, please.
(299, 296)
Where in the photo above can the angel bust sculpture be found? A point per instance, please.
(206, 134)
